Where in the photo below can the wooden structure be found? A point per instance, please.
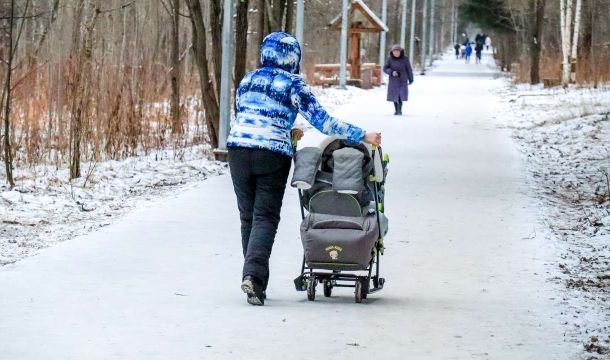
(361, 20)
(328, 74)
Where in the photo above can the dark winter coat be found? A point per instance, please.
(398, 86)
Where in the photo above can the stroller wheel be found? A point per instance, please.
(358, 291)
(365, 287)
(328, 288)
(311, 289)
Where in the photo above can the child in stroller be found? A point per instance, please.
(341, 186)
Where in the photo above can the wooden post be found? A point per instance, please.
(354, 55)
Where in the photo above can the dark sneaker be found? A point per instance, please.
(256, 295)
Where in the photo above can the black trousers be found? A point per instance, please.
(259, 180)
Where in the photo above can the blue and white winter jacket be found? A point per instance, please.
(269, 98)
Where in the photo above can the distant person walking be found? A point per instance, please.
(398, 67)
(468, 53)
(479, 39)
(478, 50)
(457, 51)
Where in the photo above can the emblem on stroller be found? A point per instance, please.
(341, 193)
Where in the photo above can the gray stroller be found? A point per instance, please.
(341, 192)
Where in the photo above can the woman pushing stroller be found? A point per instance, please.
(260, 149)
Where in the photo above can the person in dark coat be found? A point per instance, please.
(457, 51)
(478, 49)
(398, 67)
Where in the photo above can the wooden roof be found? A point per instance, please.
(362, 19)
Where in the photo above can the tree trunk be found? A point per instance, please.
(289, 17)
(537, 7)
(175, 70)
(424, 38)
(565, 24)
(216, 30)
(241, 41)
(576, 32)
(80, 104)
(8, 153)
(262, 28)
(208, 95)
(503, 49)
(513, 49)
(52, 17)
(431, 37)
(275, 14)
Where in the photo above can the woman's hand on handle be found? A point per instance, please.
(296, 133)
(373, 138)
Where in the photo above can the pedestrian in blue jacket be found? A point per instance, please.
(260, 149)
(468, 52)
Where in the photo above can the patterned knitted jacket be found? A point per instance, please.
(269, 98)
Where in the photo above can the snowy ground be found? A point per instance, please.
(565, 138)
(46, 208)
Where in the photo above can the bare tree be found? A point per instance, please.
(570, 25)
(537, 9)
(279, 14)
(216, 32)
(275, 13)
(82, 76)
(288, 26)
(6, 97)
(208, 94)
(175, 69)
(575, 33)
(241, 41)
(262, 27)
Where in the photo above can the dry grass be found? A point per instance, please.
(590, 72)
(128, 114)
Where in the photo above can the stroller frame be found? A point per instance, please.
(357, 278)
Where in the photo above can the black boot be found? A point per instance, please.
(254, 291)
(399, 108)
(395, 108)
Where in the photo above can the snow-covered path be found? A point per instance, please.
(465, 261)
